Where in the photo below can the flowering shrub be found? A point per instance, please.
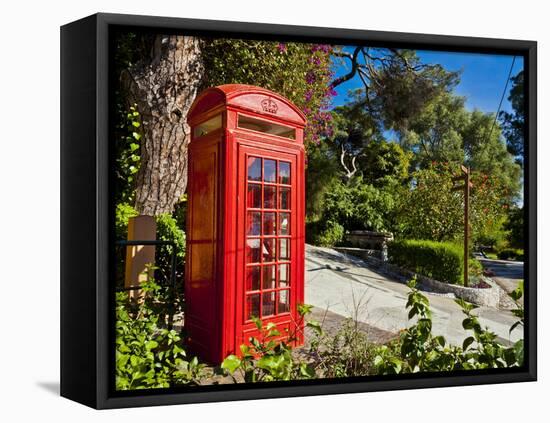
(300, 72)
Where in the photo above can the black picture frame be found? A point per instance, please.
(86, 240)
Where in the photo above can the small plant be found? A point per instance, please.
(482, 350)
(268, 358)
(347, 353)
(418, 350)
(147, 354)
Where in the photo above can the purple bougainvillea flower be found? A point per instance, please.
(282, 47)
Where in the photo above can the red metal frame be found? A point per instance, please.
(222, 235)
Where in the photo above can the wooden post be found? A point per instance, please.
(465, 177)
(139, 256)
(466, 222)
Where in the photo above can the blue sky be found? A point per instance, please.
(482, 80)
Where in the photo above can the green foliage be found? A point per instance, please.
(442, 261)
(321, 172)
(519, 311)
(401, 86)
(267, 358)
(346, 353)
(434, 133)
(418, 350)
(482, 350)
(123, 213)
(324, 233)
(357, 205)
(300, 72)
(444, 131)
(431, 210)
(515, 226)
(513, 124)
(127, 151)
(382, 162)
(510, 254)
(173, 295)
(148, 355)
(167, 230)
(485, 153)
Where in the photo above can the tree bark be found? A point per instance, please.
(164, 85)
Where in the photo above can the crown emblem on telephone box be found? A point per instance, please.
(269, 106)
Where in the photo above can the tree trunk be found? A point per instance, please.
(164, 85)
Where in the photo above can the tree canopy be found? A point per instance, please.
(513, 123)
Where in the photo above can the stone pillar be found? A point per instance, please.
(384, 251)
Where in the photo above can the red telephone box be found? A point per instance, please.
(245, 224)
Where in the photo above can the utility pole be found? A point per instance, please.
(465, 178)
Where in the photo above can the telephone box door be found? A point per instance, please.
(267, 265)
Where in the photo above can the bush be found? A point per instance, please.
(510, 254)
(443, 261)
(168, 230)
(123, 213)
(148, 355)
(325, 234)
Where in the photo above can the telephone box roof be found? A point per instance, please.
(247, 98)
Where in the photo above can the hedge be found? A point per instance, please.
(510, 254)
(443, 261)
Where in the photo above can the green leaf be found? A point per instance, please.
(515, 325)
(467, 342)
(231, 363)
(307, 371)
(304, 309)
(316, 326)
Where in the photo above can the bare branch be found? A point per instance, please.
(350, 74)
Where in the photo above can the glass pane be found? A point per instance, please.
(268, 303)
(284, 249)
(268, 249)
(269, 223)
(253, 250)
(284, 198)
(269, 277)
(284, 223)
(284, 301)
(253, 224)
(265, 126)
(269, 197)
(254, 196)
(284, 276)
(269, 170)
(284, 173)
(253, 278)
(252, 306)
(209, 126)
(254, 169)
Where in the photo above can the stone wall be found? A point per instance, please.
(488, 296)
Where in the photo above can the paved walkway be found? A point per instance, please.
(507, 273)
(345, 285)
